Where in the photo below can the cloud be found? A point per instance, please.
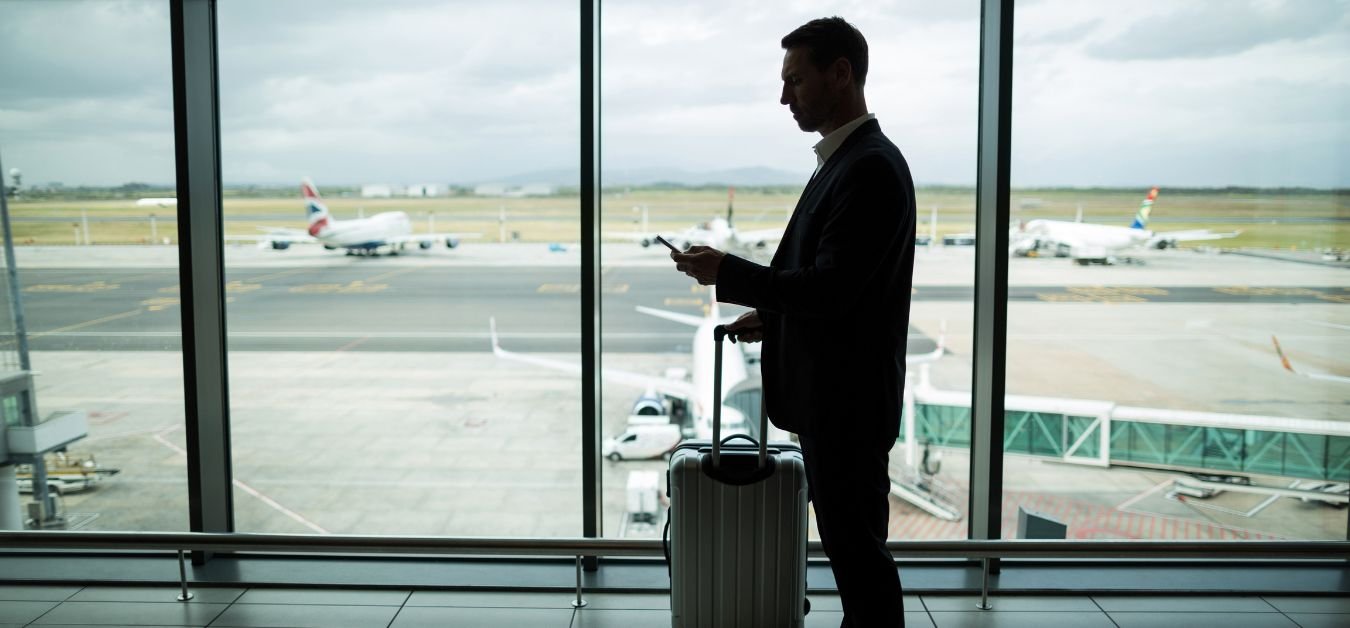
(1221, 28)
(350, 91)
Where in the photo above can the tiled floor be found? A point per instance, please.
(340, 608)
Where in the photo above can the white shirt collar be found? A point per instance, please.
(831, 143)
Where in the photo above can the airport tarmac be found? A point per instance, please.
(391, 416)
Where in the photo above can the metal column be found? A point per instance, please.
(591, 522)
(201, 265)
(991, 269)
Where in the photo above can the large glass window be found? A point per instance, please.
(86, 132)
(1178, 251)
(441, 143)
(697, 147)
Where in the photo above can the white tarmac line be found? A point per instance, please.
(1140, 497)
(159, 436)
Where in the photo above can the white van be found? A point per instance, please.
(642, 441)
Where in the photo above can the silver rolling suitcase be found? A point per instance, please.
(737, 527)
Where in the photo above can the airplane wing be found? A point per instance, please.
(275, 236)
(760, 235)
(682, 239)
(663, 385)
(433, 237)
(1163, 239)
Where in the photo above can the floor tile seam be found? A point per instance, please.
(44, 614)
(296, 604)
(541, 608)
(1230, 612)
(400, 610)
(1103, 610)
(1272, 605)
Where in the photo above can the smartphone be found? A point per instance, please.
(668, 244)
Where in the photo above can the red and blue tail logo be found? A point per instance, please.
(314, 207)
(1145, 208)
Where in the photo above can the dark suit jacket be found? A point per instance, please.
(835, 298)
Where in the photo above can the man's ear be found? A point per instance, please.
(841, 71)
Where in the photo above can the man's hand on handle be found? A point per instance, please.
(747, 328)
(699, 262)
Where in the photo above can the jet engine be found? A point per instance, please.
(451, 243)
(649, 404)
(280, 245)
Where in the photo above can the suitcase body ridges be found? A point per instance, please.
(738, 553)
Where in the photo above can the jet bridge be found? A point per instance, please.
(25, 441)
(1102, 433)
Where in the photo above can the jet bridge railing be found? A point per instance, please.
(181, 542)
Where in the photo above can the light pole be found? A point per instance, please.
(27, 401)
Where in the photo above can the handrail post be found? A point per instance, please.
(182, 578)
(984, 586)
(579, 602)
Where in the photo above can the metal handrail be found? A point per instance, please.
(180, 542)
(571, 547)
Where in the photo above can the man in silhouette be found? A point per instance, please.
(832, 309)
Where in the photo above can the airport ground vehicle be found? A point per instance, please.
(643, 440)
(66, 473)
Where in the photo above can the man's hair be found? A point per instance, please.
(829, 38)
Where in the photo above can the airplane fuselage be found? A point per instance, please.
(365, 233)
(1087, 240)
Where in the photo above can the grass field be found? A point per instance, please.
(1266, 216)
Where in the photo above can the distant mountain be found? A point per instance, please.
(615, 176)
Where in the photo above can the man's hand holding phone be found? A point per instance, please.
(667, 243)
(699, 262)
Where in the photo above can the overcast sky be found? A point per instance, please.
(1128, 93)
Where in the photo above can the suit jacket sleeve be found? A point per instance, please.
(862, 231)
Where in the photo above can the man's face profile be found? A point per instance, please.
(805, 90)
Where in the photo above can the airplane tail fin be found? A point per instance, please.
(1284, 360)
(731, 197)
(1145, 208)
(319, 219)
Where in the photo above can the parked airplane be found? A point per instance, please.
(1100, 244)
(1284, 360)
(740, 395)
(364, 236)
(719, 233)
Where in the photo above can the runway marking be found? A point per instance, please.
(279, 508)
(1248, 291)
(352, 344)
(230, 286)
(393, 273)
(355, 287)
(110, 317)
(159, 436)
(1140, 497)
(575, 288)
(68, 288)
(158, 303)
(1103, 294)
(283, 273)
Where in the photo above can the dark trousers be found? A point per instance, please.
(849, 488)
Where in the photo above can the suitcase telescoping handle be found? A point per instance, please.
(719, 333)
